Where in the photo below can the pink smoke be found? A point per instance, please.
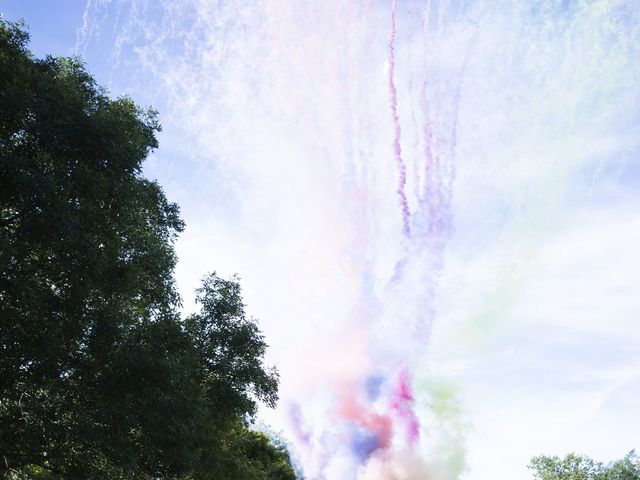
(402, 169)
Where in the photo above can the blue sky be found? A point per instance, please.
(53, 30)
(277, 143)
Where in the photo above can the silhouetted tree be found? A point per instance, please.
(99, 376)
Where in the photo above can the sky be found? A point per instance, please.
(433, 207)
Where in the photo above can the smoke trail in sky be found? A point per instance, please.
(288, 129)
(397, 148)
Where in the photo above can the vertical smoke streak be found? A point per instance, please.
(397, 149)
(402, 403)
(427, 194)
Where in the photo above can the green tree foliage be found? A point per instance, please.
(580, 467)
(99, 376)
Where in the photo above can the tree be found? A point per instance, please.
(580, 467)
(628, 468)
(99, 375)
(229, 351)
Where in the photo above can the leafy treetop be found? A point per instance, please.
(580, 467)
(99, 376)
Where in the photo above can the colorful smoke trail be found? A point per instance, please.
(397, 143)
(376, 170)
(374, 430)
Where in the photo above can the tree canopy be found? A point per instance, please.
(581, 467)
(100, 377)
